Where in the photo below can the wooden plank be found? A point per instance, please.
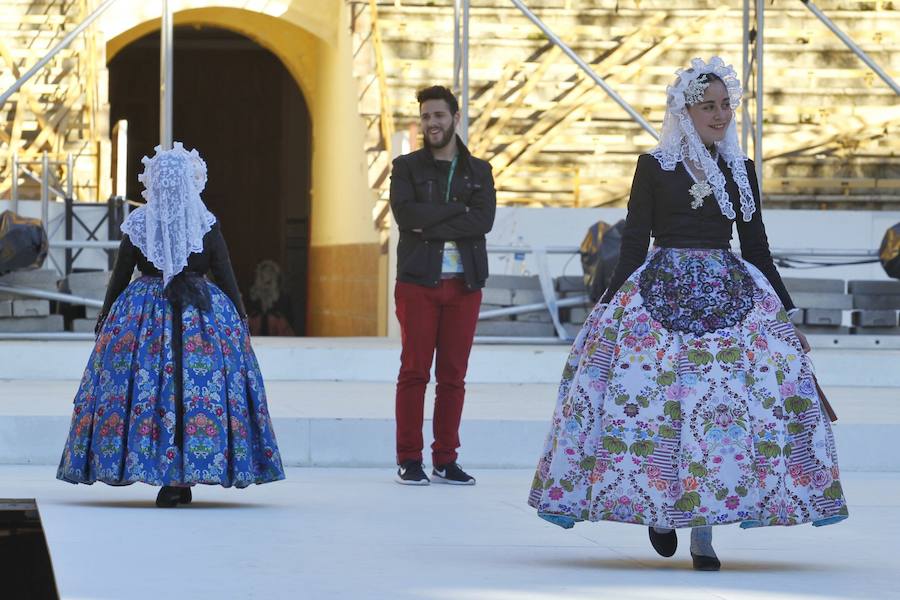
(530, 83)
(779, 184)
(497, 91)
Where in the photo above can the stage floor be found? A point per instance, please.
(355, 534)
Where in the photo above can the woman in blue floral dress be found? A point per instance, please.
(172, 394)
(688, 399)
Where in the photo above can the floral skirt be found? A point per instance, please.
(130, 423)
(687, 401)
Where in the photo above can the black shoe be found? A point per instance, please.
(170, 496)
(665, 544)
(411, 473)
(452, 474)
(705, 563)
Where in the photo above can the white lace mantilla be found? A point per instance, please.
(680, 142)
(171, 225)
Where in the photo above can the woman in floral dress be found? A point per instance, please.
(172, 394)
(688, 399)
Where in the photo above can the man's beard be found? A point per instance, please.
(447, 135)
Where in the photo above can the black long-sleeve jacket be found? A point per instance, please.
(426, 221)
(214, 258)
(660, 206)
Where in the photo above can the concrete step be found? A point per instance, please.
(90, 284)
(349, 423)
(41, 279)
(31, 324)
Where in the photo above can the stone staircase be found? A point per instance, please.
(555, 139)
(20, 314)
(63, 109)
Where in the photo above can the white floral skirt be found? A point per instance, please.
(687, 401)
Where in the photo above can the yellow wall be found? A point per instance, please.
(312, 39)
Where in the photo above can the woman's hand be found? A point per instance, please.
(804, 343)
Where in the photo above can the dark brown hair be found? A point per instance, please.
(438, 92)
(709, 78)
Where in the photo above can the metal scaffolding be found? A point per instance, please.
(752, 67)
(166, 76)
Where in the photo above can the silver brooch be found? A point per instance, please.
(699, 191)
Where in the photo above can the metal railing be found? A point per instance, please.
(29, 292)
(116, 208)
(20, 168)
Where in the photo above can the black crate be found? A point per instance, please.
(874, 287)
(875, 318)
(876, 302)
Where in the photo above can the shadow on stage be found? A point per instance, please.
(149, 503)
(643, 564)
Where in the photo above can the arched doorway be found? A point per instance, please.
(241, 108)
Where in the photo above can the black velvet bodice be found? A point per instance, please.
(214, 258)
(660, 206)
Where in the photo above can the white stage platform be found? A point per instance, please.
(332, 400)
(351, 424)
(334, 534)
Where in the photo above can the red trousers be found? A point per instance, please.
(440, 320)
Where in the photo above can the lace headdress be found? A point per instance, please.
(171, 225)
(680, 142)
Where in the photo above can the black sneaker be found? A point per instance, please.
(452, 474)
(411, 473)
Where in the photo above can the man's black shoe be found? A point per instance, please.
(665, 544)
(411, 473)
(452, 474)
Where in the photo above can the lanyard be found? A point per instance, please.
(450, 178)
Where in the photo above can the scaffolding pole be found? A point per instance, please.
(166, 77)
(745, 79)
(758, 126)
(461, 64)
(634, 114)
(854, 47)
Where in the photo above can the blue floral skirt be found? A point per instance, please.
(129, 423)
(688, 401)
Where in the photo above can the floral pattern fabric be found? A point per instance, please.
(668, 428)
(712, 290)
(124, 419)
